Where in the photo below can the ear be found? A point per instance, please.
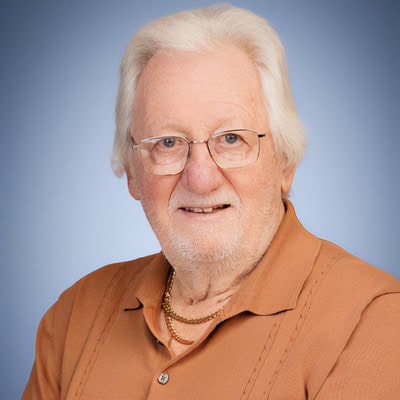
(133, 184)
(287, 178)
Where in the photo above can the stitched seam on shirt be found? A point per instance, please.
(261, 360)
(300, 322)
(101, 338)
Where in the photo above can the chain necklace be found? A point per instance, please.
(174, 333)
(170, 315)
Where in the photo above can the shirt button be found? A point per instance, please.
(163, 378)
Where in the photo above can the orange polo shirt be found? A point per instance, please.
(310, 322)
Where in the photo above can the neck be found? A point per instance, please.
(206, 286)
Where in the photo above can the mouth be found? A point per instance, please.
(205, 210)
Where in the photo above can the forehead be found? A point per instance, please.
(187, 88)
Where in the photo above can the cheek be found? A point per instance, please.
(262, 189)
(265, 177)
(157, 190)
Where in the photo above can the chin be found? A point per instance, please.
(197, 250)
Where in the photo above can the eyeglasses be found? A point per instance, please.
(168, 155)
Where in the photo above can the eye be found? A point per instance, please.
(168, 145)
(231, 138)
(167, 142)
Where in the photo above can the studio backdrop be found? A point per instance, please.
(64, 214)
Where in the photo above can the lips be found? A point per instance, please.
(205, 210)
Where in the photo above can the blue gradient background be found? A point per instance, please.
(64, 214)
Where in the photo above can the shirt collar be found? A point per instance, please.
(152, 285)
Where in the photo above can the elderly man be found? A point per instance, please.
(242, 302)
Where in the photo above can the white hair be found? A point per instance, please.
(207, 28)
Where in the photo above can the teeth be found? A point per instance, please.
(203, 210)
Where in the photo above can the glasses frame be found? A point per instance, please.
(191, 142)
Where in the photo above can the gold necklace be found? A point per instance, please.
(170, 314)
(171, 328)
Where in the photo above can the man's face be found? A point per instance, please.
(196, 94)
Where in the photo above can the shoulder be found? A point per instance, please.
(92, 300)
(100, 289)
(352, 277)
(342, 290)
(345, 292)
(101, 278)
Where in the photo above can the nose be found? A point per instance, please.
(201, 175)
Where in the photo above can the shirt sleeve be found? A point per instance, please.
(369, 366)
(44, 381)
